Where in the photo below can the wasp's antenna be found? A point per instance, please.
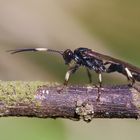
(34, 49)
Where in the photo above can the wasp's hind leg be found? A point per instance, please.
(130, 77)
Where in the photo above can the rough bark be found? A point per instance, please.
(38, 99)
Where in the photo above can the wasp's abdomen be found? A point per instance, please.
(136, 76)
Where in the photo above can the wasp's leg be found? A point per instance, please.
(130, 76)
(89, 76)
(99, 88)
(70, 71)
(100, 80)
(68, 74)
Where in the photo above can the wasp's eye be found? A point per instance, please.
(68, 56)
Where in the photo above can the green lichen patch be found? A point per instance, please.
(19, 92)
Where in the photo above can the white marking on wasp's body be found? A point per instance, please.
(76, 58)
(128, 72)
(41, 49)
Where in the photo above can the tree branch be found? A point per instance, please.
(40, 99)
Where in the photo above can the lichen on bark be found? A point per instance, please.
(14, 92)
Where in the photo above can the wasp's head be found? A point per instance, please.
(68, 56)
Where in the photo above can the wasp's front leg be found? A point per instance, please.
(70, 71)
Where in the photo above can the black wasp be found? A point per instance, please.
(92, 60)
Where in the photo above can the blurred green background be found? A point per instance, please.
(110, 27)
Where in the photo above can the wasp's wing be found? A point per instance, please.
(111, 60)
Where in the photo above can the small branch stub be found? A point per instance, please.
(40, 99)
(85, 111)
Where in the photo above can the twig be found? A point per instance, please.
(38, 99)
